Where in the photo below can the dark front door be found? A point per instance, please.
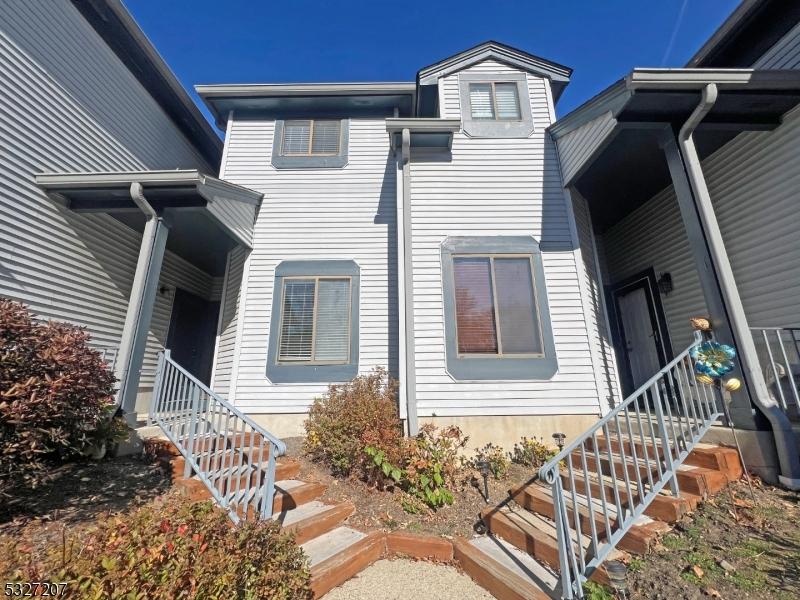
(642, 341)
(192, 333)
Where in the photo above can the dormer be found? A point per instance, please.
(494, 89)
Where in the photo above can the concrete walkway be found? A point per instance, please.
(402, 579)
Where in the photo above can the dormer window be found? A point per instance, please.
(310, 137)
(495, 100)
(495, 105)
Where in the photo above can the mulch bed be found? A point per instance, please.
(730, 549)
(77, 495)
(376, 509)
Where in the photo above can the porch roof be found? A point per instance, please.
(200, 208)
(609, 146)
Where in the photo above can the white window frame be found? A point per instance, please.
(310, 152)
(496, 114)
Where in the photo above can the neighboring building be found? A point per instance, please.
(519, 274)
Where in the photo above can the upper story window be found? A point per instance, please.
(495, 100)
(315, 320)
(310, 138)
(495, 105)
(310, 143)
(496, 311)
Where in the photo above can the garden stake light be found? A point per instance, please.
(483, 466)
(617, 572)
(559, 438)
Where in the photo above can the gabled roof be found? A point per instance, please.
(557, 74)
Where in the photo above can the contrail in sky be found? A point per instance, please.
(678, 22)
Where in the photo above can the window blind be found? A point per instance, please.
(332, 341)
(519, 325)
(480, 100)
(475, 319)
(325, 137)
(507, 100)
(297, 320)
(296, 136)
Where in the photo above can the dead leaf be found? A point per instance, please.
(743, 503)
(709, 591)
(698, 571)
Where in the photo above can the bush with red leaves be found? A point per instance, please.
(56, 395)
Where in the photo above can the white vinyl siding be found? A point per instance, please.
(316, 214)
(497, 187)
(68, 104)
(577, 147)
(226, 341)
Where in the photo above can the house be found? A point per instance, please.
(519, 274)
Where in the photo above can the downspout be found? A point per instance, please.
(782, 430)
(408, 289)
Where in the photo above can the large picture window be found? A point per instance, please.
(496, 312)
(314, 322)
(497, 322)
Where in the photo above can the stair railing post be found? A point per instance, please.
(190, 450)
(151, 412)
(662, 432)
(268, 489)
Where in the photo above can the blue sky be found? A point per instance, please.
(274, 41)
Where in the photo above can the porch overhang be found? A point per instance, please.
(620, 164)
(424, 132)
(200, 208)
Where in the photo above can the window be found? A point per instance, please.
(310, 138)
(495, 105)
(313, 329)
(310, 143)
(497, 320)
(494, 101)
(315, 326)
(496, 310)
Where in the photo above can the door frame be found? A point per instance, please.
(647, 281)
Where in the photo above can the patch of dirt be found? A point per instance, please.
(78, 494)
(376, 509)
(729, 549)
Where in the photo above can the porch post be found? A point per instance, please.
(140, 311)
(742, 412)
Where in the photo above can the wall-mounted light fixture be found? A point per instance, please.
(665, 283)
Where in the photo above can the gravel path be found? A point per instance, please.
(402, 579)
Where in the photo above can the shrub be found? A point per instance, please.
(171, 549)
(531, 453)
(352, 416)
(496, 458)
(56, 395)
(429, 467)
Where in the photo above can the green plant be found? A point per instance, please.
(56, 396)
(496, 458)
(429, 466)
(171, 549)
(531, 452)
(595, 591)
(352, 416)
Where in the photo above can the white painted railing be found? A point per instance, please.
(779, 352)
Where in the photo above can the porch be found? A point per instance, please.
(680, 178)
(190, 225)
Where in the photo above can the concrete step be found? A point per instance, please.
(313, 519)
(536, 535)
(639, 539)
(339, 554)
(503, 570)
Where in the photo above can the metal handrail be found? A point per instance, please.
(775, 341)
(665, 417)
(226, 449)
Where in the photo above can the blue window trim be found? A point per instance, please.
(501, 368)
(283, 373)
(480, 128)
(310, 162)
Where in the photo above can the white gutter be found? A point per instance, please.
(782, 429)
